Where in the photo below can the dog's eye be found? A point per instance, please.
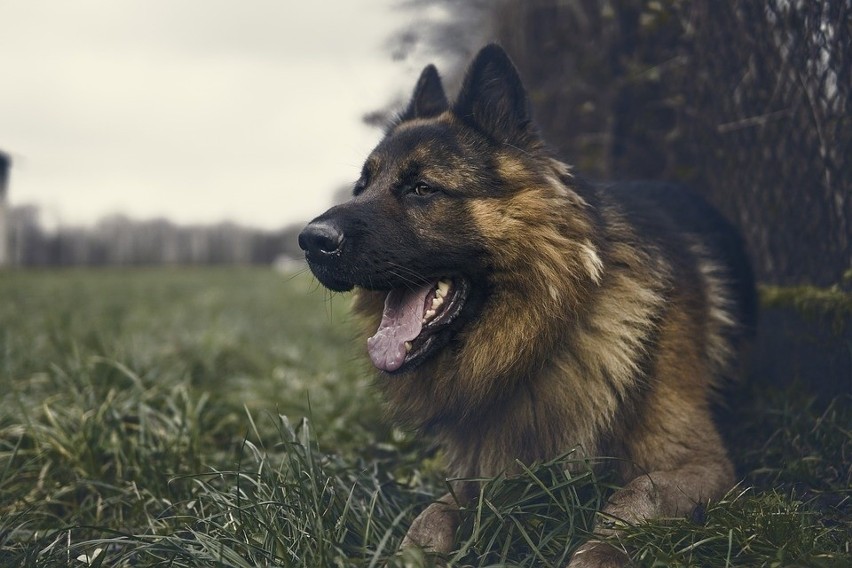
(361, 184)
(422, 189)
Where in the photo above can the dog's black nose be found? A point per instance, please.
(321, 238)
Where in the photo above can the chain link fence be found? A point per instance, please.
(748, 102)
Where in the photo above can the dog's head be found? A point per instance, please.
(439, 209)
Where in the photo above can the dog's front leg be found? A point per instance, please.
(434, 530)
(673, 493)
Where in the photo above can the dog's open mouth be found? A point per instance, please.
(413, 320)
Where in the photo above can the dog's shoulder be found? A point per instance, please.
(681, 224)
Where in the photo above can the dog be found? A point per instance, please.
(514, 310)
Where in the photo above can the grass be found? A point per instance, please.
(833, 303)
(222, 417)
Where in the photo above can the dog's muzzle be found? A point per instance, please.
(323, 242)
(321, 239)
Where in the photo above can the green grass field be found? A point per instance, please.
(222, 417)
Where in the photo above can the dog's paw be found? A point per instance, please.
(598, 554)
(434, 530)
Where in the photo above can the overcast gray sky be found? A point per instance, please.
(198, 110)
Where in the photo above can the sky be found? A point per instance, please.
(195, 110)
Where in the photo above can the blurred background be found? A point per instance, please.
(199, 131)
(209, 132)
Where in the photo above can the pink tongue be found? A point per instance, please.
(401, 322)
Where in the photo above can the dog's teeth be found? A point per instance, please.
(443, 288)
(407, 346)
(428, 315)
(437, 301)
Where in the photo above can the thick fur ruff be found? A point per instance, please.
(598, 317)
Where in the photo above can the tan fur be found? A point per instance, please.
(584, 317)
(532, 379)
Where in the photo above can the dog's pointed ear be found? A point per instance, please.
(493, 98)
(429, 98)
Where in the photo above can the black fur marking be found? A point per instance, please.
(428, 99)
(493, 99)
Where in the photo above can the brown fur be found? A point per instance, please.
(592, 334)
(511, 392)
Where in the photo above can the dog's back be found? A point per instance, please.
(688, 229)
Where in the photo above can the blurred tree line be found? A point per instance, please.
(119, 240)
(747, 102)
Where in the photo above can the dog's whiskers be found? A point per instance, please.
(408, 275)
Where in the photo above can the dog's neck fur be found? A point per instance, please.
(600, 297)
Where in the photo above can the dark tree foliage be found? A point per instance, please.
(749, 102)
(466, 24)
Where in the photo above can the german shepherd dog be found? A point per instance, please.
(514, 311)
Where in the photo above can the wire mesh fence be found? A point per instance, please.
(749, 102)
